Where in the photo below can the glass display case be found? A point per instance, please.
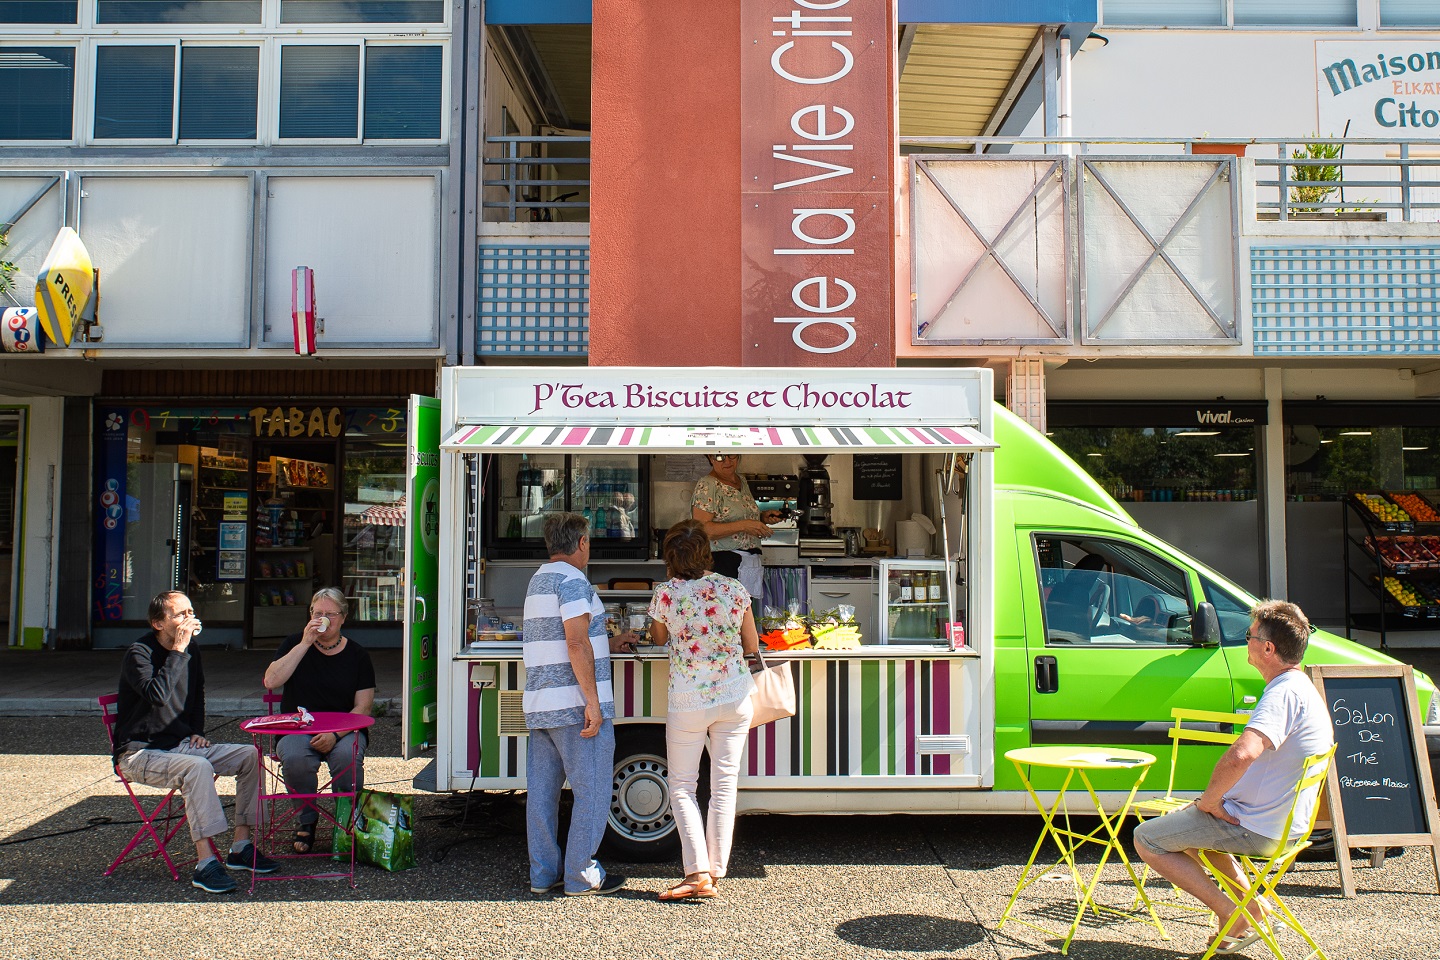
(914, 598)
(372, 560)
(607, 489)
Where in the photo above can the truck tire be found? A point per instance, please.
(641, 826)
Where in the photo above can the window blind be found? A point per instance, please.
(362, 11)
(40, 93)
(1165, 13)
(319, 92)
(402, 92)
(134, 93)
(1288, 13)
(219, 92)
(177, 11)
(38, 11)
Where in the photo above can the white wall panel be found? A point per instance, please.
(173, 254)
(372, 242)
(30, 238)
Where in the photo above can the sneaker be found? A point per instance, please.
(212, 878)
(250, 858)
(542, 890)
(611, 883)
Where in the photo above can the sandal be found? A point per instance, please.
(304, 839)
(1229, 944)
(690, 890)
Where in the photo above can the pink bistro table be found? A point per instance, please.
(271, 787)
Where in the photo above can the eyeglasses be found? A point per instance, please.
(724, 456)
(332, 614)
(1251, 636)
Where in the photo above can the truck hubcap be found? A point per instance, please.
(640, 799)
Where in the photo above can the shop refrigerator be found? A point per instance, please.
(915, 600)
(609, 490)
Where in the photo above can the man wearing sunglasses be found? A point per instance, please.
(1243, 809)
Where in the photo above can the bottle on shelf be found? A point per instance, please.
(907, 589)
(937, 590)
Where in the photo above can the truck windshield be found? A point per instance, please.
(1233, 609)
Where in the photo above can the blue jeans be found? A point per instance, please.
(556, 755)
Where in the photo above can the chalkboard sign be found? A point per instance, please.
(877, 476)
(1379, 785)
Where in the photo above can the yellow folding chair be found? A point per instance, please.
(1179, 733)
(1263, 878)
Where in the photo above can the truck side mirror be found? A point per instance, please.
(1205, 626)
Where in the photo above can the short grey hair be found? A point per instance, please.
(335, 596)
(563, 532)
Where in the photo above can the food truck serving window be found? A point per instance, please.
(672, 439)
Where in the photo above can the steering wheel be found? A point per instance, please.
(1099, 603)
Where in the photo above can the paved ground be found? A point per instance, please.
(923, 887)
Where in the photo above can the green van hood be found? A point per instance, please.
(1026, 458)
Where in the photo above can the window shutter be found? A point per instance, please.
(362, 11)
(319, 92)
(1409, 13)
(177, 11)
(1165, 13)
(402, 92)
(38, 11)
(40, 93)
(219, 92)
(1288, 13)
(134, 93)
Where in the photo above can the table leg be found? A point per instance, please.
(1048, 829)
(1111, 827)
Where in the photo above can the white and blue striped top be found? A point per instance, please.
(559, 592)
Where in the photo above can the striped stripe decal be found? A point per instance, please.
(854, 718)
(494, 437)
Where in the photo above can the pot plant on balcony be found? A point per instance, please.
(1313, 183)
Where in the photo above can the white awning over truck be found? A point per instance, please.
(644, 438)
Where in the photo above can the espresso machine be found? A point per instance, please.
(817, 527)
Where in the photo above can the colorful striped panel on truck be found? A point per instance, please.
(855, 718)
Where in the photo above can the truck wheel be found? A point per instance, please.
(641, 827)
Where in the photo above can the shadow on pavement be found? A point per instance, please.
(911, 932)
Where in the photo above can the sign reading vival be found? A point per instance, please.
(817, 191)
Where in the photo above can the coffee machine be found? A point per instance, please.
(817, 527)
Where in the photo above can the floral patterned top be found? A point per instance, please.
(703, 617)
(727, 504)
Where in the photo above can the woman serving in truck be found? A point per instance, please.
(723, 503)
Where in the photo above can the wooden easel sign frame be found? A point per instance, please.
(1382, 782)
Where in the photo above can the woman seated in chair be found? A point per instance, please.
(322, 670)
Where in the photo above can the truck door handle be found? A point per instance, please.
(1047, 675)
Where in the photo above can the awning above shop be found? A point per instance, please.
(493, 438)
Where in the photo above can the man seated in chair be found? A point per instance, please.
(1243, 809)
(160, 740)
(322, 670)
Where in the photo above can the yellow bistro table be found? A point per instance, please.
(1080, 761)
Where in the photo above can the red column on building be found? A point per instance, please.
(743, 198)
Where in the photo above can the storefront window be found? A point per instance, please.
(1328, 462)
(372, 563)
(1191, 463)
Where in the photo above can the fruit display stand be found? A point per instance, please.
(1392, 548)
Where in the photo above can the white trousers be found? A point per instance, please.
(705, 845)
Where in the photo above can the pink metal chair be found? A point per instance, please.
(173, 819)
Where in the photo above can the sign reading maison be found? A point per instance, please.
(1378, 88)
(817, 181)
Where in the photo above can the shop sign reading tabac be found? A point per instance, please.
(817, 161)
(1388, 89)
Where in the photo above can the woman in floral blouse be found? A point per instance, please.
(706, 621)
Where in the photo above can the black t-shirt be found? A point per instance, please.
(326, 683)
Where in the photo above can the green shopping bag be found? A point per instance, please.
(383, 836)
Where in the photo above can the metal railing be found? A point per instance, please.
(536, 183)
(1396, 181)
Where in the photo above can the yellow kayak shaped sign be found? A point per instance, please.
(64, 286)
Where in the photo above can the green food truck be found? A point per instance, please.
(1079, 627)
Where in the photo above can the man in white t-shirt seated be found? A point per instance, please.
(1243, 809)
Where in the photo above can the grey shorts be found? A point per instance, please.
(1191, 828)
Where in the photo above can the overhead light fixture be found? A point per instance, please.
(1355, 433)
(1196, 433)
(1094, 454)
(1414, 448)
(1232, 454)
(1327, 441)
(1093, 42)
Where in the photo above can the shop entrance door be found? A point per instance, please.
(155, 535)
(293, 549)
(10, 502)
